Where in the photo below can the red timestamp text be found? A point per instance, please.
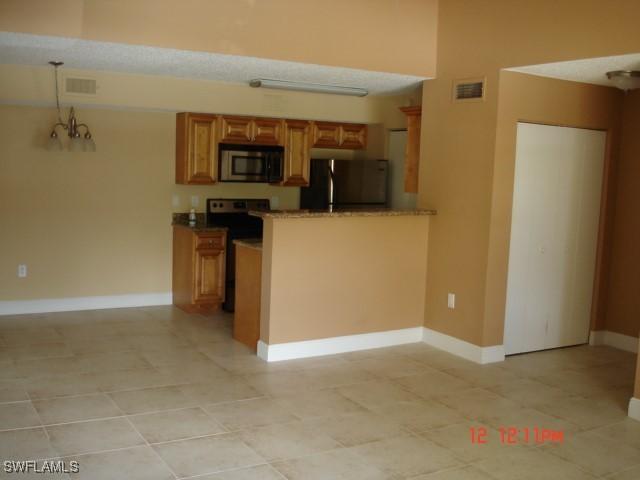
(516, 435)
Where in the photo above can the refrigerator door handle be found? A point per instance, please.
(331, 184)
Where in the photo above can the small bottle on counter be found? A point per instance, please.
(192, 217)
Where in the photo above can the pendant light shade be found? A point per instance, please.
(625, 79)
(54, 144)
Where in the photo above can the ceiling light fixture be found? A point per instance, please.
(625, 79)
(78, 142)
(308, 87)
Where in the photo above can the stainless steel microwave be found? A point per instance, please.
(251, 163)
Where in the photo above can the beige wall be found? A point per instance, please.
(459, 154)
(327, 277)
(98, 224)
(623, 312)
(381, 35)
(553, 102)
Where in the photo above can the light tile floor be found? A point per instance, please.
(154, 393)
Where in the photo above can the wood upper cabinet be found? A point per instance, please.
(244, 130)
(198, 269)
(267, 131)
(236, 129)
(297, 152)
(353, 136)
(196, 148)
(412, 153)
(326, 135)
(198, 136)
(339, 135)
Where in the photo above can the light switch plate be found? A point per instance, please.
(195, 201)
(175, 200)
(451, 300)
(22, 270)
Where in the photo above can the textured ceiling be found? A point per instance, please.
(591, 70)
(16, 48)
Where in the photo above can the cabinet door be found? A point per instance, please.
(267, 131)
(237, 130)
(326, 135)
(209, 276)
(196, 149)
(353, 136)
(412, 155)
(297, 153)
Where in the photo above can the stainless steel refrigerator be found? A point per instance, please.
(346, 185)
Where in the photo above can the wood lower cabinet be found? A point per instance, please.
(198, 269)
(297, 153)
(351, 136)
(196, 149)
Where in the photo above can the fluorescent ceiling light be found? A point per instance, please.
(308, 87)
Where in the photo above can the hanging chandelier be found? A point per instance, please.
(625, 79)
(73, 129)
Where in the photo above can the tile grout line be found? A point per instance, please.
(147, 443)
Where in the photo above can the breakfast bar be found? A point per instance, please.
(339, 281)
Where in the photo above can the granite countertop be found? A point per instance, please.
(255, 243)
(182, 220)
(339, 213)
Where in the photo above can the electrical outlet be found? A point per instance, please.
(451, 300)
(175, 200)
(22, 270)
(274, 202)
(195, 201)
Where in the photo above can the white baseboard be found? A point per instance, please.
(365, 341)
(463, 349)
(333, 345)
(634, 408)
(613, 339)
(48, 305)
(596, 337)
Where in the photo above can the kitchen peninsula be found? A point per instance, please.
(340, 281)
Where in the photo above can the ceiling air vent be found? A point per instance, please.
(80, 86)
(468, 90)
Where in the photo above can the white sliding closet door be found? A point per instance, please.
(554, 230)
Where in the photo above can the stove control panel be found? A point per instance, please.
(236, 205)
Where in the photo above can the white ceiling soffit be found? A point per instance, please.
(24, 49)
(590, 70)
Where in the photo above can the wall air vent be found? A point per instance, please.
(472, 89)
(80, 86)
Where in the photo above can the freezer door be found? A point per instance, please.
(360, 182)
(316, 195)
